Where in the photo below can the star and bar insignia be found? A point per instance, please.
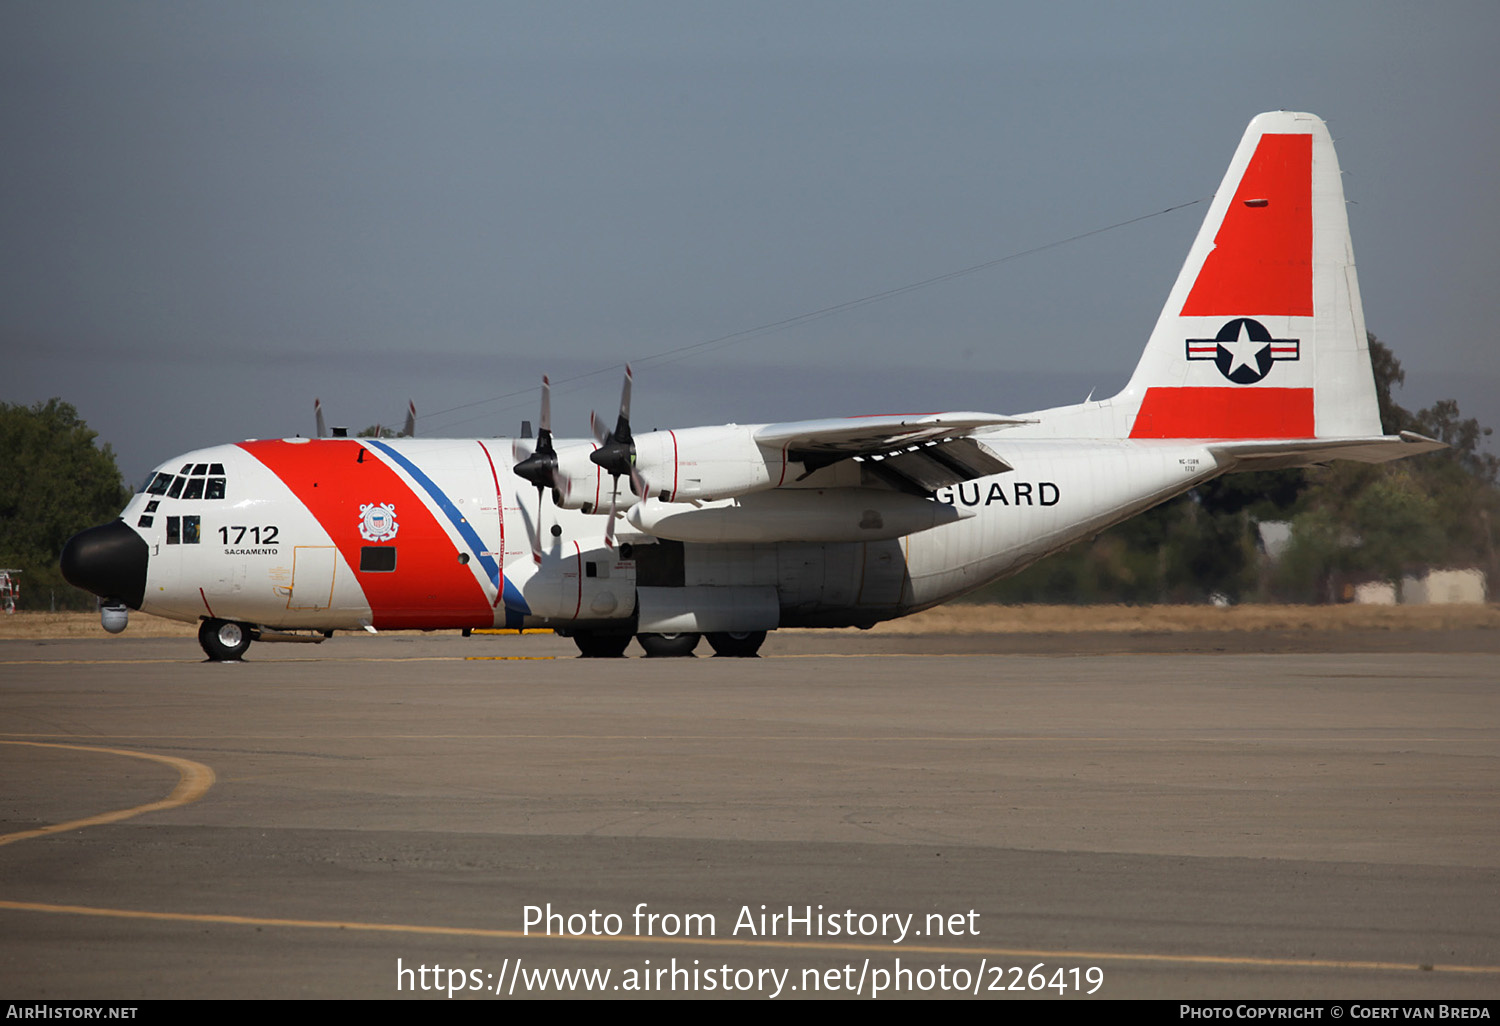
(1243, 350)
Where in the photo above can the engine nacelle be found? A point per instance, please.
(585, 485)
(706, 463)
(796, 515)
(692, 465)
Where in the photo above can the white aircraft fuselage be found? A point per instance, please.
(294, 540)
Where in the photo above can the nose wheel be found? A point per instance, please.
(225, 641)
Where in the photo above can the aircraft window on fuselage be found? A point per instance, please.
(190, 530)
(159, 484)
(145, 521)
(187, 468)
(151, 506)
(174, 530)
(176, 488)
(201, 468)
(194, 488)
(215, 488)
(216, 468)
(377, 559)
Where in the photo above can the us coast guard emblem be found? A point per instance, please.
(377, 521)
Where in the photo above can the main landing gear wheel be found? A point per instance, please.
(737, 644)
(601, 645)
(224, 640)
(669, 646)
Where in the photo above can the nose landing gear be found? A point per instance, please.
(225, 641)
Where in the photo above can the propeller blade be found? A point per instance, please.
(532, 531)
(625, 401)
(638, 483)
(410, 430)
(318, 415)
(609, 524)
(539, 467)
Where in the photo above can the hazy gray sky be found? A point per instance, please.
(213, 212)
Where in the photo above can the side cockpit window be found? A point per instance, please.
(159, 484)
(184, 530)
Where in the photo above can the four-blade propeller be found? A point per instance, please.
(540, 466)
(615, 455)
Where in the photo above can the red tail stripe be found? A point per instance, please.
(1242, 412)
(1261, 262)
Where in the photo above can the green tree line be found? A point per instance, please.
(54, 482)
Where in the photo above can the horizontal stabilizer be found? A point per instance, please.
(1275, 455)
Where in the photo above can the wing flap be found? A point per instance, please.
(917, 453)
(923, 469)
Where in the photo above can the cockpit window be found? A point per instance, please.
(191, 483)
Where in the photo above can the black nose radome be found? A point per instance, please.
(109, 561)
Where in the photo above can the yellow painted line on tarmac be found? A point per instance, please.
(194, 781)
(480, 659)
(778, 945)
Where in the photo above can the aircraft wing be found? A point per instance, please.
(1275, 455)
(916, 453)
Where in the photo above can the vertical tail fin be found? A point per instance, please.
(1263, 335)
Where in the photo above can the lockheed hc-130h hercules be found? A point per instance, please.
(1258, 361)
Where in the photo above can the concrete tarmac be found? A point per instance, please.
(928, 815)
